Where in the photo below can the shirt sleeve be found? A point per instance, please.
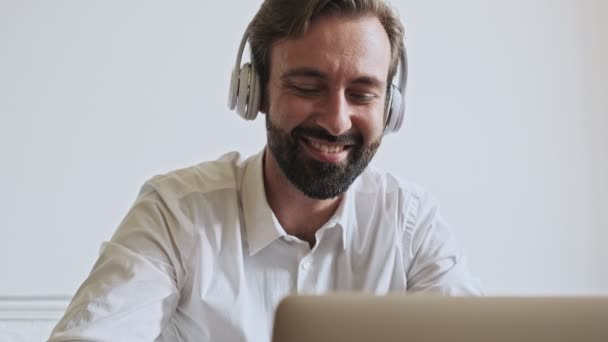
(436, 260)
(134, 287)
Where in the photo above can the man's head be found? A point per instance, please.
(284, 19)
(325, 68)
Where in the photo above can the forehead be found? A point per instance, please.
(338, 46)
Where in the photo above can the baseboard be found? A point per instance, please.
(32, 308)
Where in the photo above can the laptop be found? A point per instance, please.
(399, 318)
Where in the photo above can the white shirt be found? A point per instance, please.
(201, 256)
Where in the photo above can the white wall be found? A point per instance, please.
(506, 124)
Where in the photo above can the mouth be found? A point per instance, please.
(325, 151)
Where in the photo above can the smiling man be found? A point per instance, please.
(206, 253)
(325, 108)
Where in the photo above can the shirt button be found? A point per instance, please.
(305, 266)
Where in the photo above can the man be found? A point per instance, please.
(206, 253)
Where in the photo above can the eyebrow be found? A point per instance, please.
(369, 81)
(303, 72)
(314, 73)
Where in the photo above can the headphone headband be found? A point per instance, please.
(232, 95)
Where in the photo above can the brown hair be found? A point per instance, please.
(278, 19)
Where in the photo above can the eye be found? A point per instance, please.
(305, 90)
(361, 97)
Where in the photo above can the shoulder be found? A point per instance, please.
(404, 199)
(173, 205)
(382, 184)
(203, 178)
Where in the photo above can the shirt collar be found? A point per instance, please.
(261, 224)
(342, 219)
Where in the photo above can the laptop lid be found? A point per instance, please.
(363, 318)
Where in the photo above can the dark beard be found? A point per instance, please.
(317, 179)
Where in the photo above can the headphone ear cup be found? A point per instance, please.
(396, 111)
(234, 88)
(248, 97)
(255, 94)
(243, 91)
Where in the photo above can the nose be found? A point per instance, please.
(335, 114)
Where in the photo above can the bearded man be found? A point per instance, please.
(206, 253)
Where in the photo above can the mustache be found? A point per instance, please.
(320, 133)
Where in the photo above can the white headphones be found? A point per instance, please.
(245, 93)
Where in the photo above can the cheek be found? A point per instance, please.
(371, 126)
(379, 121)
(289, 111)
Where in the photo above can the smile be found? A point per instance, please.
(325, 148)
(325, 151)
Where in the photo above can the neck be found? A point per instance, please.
(299, 215)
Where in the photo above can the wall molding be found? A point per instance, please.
(33, 308)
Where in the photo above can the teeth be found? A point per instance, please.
(326, 148)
